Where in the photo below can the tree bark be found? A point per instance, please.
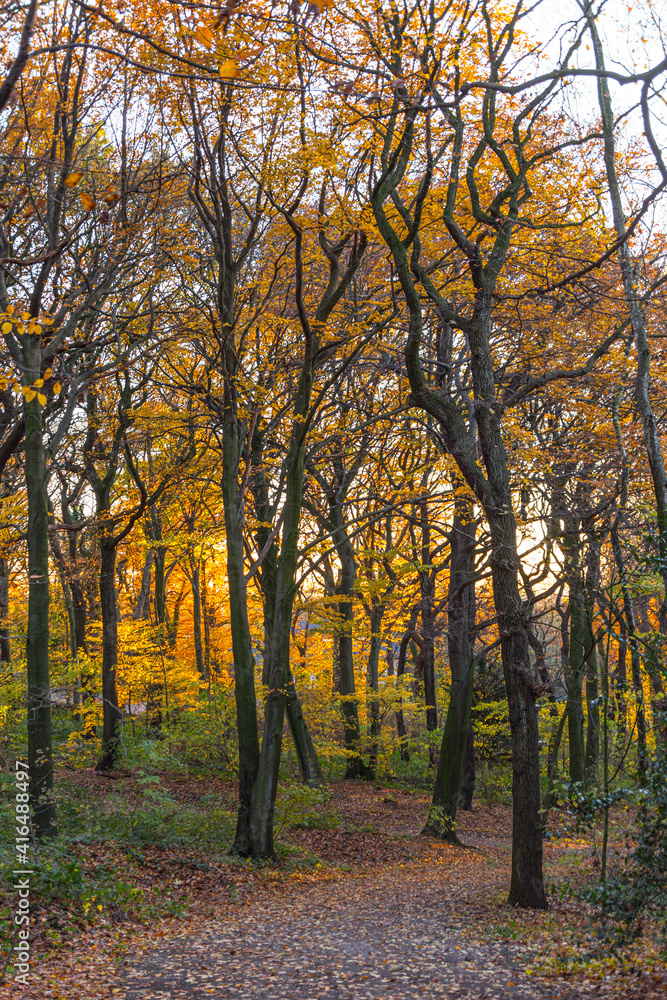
(5, 646)
(441, 820)
(427, 587)
(196, 620)
(40, 746)
(111, 714)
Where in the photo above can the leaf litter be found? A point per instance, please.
(367, 908)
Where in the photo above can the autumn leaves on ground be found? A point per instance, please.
(358, 905)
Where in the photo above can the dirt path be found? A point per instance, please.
(399, 933)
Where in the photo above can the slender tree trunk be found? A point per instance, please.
(373, 685)
(461, 613)
(80, 622)
(592, 678)
(111, 714)
(354, 766)
(160, 585)
(5, 647)
(142, 609)
(67, 595)
(196, 620)
(468, 777)
(427, 586)
(400, 672)
(244, 660)
(577, 648)
(309, 763)
(635, 660)
(620, 685)
(40, 747)
(266, 783)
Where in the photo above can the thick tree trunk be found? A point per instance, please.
(461, 614)
(40, 747)
(527, 885)
(111, 714)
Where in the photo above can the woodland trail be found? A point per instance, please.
(398, 932)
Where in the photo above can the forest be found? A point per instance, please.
(333, 500)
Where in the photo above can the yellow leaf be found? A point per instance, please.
(249, 53)
(41, 399)
(16, 387)
(73, 179)
(87, 202)
(10, 310)
(56, 388)
(28, 394)
(228, 70)
(25, 317)
(38, 384)
(6, 327)
(204, 36)
(48, 373)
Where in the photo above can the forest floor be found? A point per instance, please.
(359, 906)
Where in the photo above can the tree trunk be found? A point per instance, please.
(468, 778)
(40, 747)
(592, 680)
(111, 714)
(354, 764)
(5, 647)
(305, 748)
(400, 672)
(527, 885)
(577, 648)
(311, 772)
(244, 660)
(427, 586)
(620, 685)
(635, 660)
(373, 685)
(441, 820)
(142, 609)
(196, 620)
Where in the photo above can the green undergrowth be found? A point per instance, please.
(129, 848)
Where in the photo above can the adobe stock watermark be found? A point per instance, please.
(22, 874)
